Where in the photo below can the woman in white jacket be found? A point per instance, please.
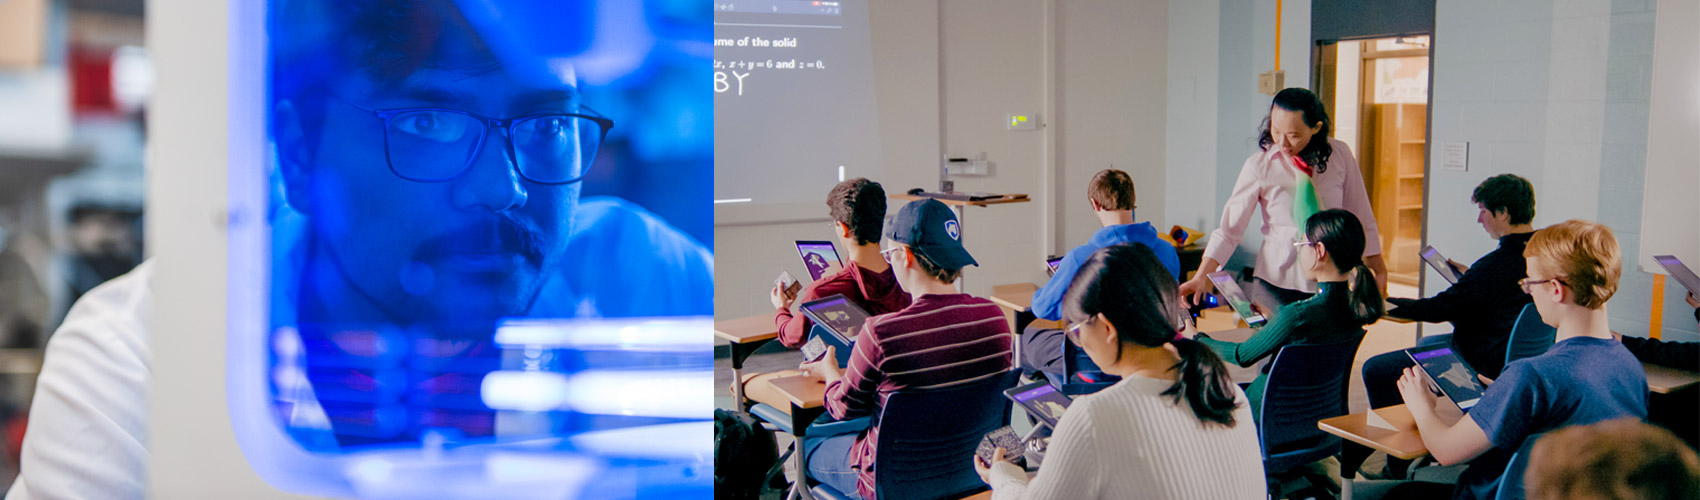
(1174, 427)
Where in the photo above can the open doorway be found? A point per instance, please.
(1379, 95)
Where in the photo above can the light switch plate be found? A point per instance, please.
(1271, 82)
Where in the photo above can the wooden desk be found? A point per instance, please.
(963, 203)
(807, 397)
(1363, 439)
(746, 335)
(1405, 443)
(804, 393)
(1664, 380)
(1014, 296)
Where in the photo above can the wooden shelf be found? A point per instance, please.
(1411, 207)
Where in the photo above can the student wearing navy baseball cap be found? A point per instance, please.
(944, 338)
(930, 230)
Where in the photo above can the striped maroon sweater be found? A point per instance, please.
(938, 341)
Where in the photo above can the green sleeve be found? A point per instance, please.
(1265, 342)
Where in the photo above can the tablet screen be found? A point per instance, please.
(1051, 265)
(1679, 272)
(1042, 400)
(1448, 371)
(1435, 260)
(1231, 291)
(838, 314)
(819, 257)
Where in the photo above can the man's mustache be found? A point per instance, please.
(500, 234)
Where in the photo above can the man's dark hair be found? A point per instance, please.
(860, 204)
(387, 41)
(1507, 193)
(934, 270)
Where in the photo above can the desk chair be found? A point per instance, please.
(1306, 383)
(1529, 335)
(1511, 482)
(927, 436)
(1076, 361)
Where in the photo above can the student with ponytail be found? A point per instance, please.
(1331, 254)
(1174, 427)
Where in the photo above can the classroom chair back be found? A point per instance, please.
(1511, 485)
(928, 436)
(1307, 383)
(1529, 335)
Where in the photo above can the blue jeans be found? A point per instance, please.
(829, 462)
(1382, 372)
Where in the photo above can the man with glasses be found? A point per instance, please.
(1584, 378)
(943, 339)
(439, 186)
(425, 187)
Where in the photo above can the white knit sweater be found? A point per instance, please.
(1130, 441)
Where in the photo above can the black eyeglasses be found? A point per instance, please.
(439, 145)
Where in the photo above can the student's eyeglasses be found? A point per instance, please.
(439, 145)
(1526, 283)
(890, 255)
(1302, 243)
(1073, 330)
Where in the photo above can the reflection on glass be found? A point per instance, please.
(435, 271)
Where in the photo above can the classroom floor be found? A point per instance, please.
(1383, 336)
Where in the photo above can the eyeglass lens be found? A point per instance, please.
(438, 145)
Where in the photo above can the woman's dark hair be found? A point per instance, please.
(1315, 153)
(1343, 236)
(860, 204)
(1127, 284)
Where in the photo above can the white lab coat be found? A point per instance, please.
(88, 423)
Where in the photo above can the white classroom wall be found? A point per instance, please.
(1555, 92)
(1107, 61)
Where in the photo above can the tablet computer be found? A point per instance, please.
(1681, 273)
(819, 257)
(1051, 265)
(1438, 262)
(1041, 400)
(837, 321)
(1230, 290)
(1449, 373)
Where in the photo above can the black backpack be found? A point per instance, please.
(744, 456)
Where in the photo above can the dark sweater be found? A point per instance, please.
(1325, 318)
(1679, 355)
(1482, 306)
